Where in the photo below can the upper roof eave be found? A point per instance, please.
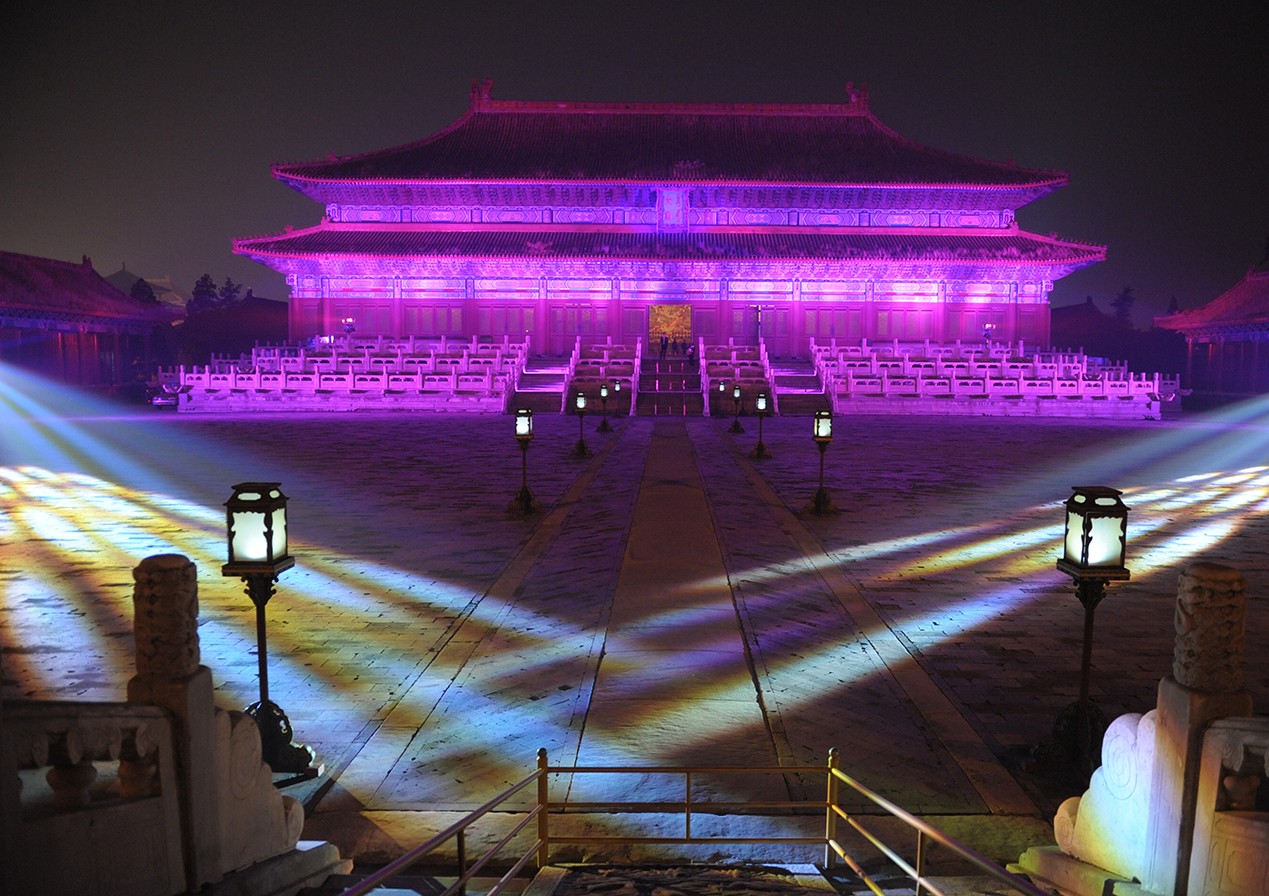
(275, 246)
(594, 139)
(1057, 179)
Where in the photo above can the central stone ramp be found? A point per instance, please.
(674, 685)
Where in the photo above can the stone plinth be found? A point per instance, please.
(1205, 685)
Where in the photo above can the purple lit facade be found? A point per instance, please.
(560, 220)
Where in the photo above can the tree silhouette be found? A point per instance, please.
(204, 296)
(143, 292)
(228, 292)
(1122, 304)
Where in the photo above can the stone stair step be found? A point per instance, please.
(802, 404)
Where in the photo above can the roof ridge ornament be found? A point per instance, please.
(857, 95)
(480, 92)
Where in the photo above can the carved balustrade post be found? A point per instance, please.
(169, 674)
(1206, 684)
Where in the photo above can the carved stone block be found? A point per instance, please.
(165, 604)
(1211, 611)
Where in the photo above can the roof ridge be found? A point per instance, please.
(84, 264)
(856, 104)
(671, 108)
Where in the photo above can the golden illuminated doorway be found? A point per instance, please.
(672, 321)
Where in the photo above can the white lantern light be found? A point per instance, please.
(823, 431)
(1096, 539)
(760, 403)
(735, 391)
(256, 522)
(524, 424)
(603, 390)
(580, 402)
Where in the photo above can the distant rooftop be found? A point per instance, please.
(1244, 305)
(48, 287)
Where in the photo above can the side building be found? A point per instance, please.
(624, 221)
(63, 320)
(1227, 340)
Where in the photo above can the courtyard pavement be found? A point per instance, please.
(674, 603)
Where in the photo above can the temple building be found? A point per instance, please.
(624, 221)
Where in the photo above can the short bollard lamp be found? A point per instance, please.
(822, 432)
(760, 451)
(256, 522)
(579, 405)
(603, 398)
(524, 501)
(735, 396)
(1093, 552)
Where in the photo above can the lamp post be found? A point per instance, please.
(735, 395)
(524, 435)
(1094, 547)
(616, 394)
(257, 535)
(760, 451)
(579, 404)
(822, 432)
(603, 397)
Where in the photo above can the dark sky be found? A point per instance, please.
(143, 132)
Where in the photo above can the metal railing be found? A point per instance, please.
(925, 833)
(539, 849)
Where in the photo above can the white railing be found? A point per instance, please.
(925, 370)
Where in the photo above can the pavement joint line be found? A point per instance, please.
(771, 715)
(999, 791)
(503, 589)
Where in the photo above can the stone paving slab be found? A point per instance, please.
(428, 642)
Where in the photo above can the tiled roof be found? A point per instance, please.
(1245, 304)
(47, 285)
(667, 143)
(327, 240)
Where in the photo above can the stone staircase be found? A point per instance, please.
(669, 388)
(672, 388)
(604, 879)
(798, 387)
(541, 386)
(413, 883)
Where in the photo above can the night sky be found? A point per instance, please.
(143, 132)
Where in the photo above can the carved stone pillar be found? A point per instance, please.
(165, 603)
(1205, 685)
(1211, 610)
